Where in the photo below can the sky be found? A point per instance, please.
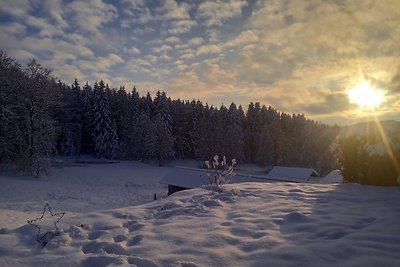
(297, 56)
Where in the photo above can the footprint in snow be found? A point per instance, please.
(133, 226)
(134, 240)
(119, 238)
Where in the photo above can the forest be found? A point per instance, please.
(42, 117)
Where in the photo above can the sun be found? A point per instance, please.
(366, 96)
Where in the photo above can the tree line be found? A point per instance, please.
(41, 117)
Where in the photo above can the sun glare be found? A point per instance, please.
(366, 96)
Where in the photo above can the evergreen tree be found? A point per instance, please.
(69, 118)
(147, 104)
(121, 109)
(105, 134)
(180, 114)
(144, 143)
(87, 102)
(234, 133)
(252, 131)
(163, 122)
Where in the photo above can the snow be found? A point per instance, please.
(293, 174)
(110, 220)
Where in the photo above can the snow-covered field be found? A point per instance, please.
(112, 220)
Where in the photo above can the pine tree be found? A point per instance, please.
(202, 132)
(180, 114)
(252, 131)
(147, 104)
(69, 118)
(121, 109)
(144, 142)
(105, 134)
(86, 101)
(162, 120)
(234, 134)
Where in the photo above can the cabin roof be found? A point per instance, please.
(293, 174)
(192, 177)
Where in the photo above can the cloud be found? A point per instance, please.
(217, 12)
(89, 16)
(101, 63)
(165, 58)
(151, 58)
(181, 26)
(331, 103)
(159, 11)
(173, 10)
(13, 28)
(210, 82)
(173, 40)
(208, 49)
(196, 41)
(244, 38)
(23, 55)
(137, 66)
(45, 27)
(298, 56)
(16, 8)
(69, 73)
(132, 51)
(162, 49)
(187, 54)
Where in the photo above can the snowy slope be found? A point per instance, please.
(252, 224)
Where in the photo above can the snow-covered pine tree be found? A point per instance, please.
(86, 101)
(266, 141)
(121, 110)
(252, 130)
(147, 104)
(133, 142)
(69, 118)
(180, 114)
(203, 131)
(265, 152)
(105, 134)
(144, 142)
(234, 133)
(162, 120)
(134, 104)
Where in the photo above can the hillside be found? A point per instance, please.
(390, 127)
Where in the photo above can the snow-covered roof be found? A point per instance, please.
(186, 177)
(334, 176)
(293, 174)
(192, 177)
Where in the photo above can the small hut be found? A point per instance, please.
(181, 178)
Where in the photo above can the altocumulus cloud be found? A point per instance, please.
(298, 56)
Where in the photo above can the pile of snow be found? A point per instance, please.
(249, 224)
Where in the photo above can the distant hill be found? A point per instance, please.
(390, 127)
